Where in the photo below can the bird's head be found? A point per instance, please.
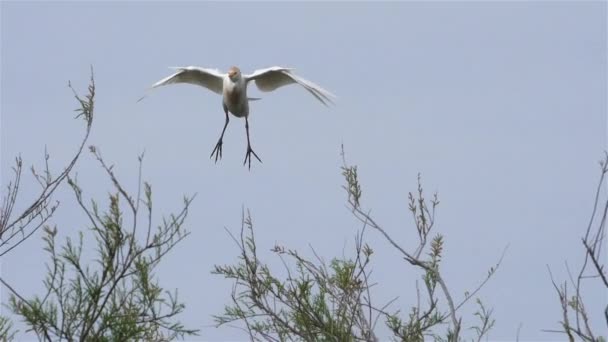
(234, 74)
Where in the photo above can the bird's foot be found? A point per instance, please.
(248, 156)
(217, 151)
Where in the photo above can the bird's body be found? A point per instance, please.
(235, 97)
(233, 88)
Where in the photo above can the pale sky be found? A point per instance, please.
(500, 106)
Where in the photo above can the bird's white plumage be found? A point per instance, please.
(233, 88)
(275, 77)
(266, 80)
(211, 79)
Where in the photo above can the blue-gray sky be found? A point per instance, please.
(500, 106)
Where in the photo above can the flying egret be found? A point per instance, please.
(233, 88)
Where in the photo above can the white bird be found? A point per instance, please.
(233, 88)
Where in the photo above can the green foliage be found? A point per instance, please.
(314, 302)
(352, 180)
(486, 321)
(320, 302)
(112, 295)
(7, 333)
(115, 297)
(352, 187)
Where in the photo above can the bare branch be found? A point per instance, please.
(40, 207)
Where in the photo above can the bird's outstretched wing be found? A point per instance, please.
(211, 79)
(275, 77)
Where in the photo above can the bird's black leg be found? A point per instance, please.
(218, 147)
(249, 150)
